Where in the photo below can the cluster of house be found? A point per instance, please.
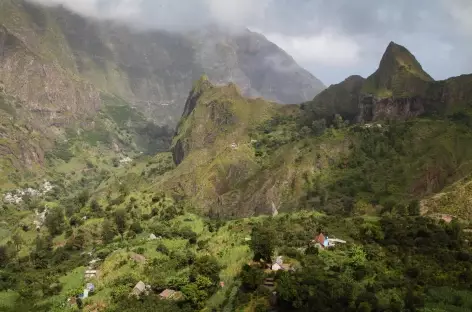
(321, 241)
(92, 271)
(16, 196)
(168, 294)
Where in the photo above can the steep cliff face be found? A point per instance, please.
(44, 86)
(153, 70)
(213, 149)
(215, 116)
(342, 98)
(63, 69)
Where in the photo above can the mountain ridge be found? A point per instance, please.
(155, 69)
(285, 142)
(60, 65)
(398, 89)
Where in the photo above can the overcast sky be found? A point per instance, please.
(331, 38)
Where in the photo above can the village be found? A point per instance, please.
(321, 242)
(92, 273)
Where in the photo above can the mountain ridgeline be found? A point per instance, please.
(397, 136)
(153, 69)
(399, 89)
(102, 83)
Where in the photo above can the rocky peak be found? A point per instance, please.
(399, 75)
(397, 57)
(200, 86)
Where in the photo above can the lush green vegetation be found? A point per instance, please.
(130, 214)
(388, 264)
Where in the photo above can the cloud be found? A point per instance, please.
(169, 14)
(327, 48)
(461, 12)
(125, 10)
(237, 13)
(332, 39)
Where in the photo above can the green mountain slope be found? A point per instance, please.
(233, 160)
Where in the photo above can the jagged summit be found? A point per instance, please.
(399, 74)
(398, 57)
(212, 111)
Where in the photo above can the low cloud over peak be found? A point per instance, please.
(332, 39)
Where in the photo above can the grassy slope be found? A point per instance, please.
(337, 171)
(290, 168)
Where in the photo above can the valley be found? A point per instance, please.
(156, 171)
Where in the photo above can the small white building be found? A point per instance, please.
(90, 274)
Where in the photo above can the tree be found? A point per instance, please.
(319, 126)
(55, 221)
(364, 307)
(263, 241)
(108, 232)
(414, 208)
(83, 198)
(162, 249)
(95, 206)
(311, 250)
(413, 302)
(76, 241)
(79, 302)
(195, 295)
(207, 266)
(120, 221)
(4, 258)
(338, 121)
(136, 227)
(305, 131)
(251, 277)
(124, 189)
(42, 252)
(18, 241)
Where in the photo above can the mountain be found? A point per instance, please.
(212, 145)
(237, 160)
(399, 75)
(150, 69)
(103, 84)
(398, 89)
